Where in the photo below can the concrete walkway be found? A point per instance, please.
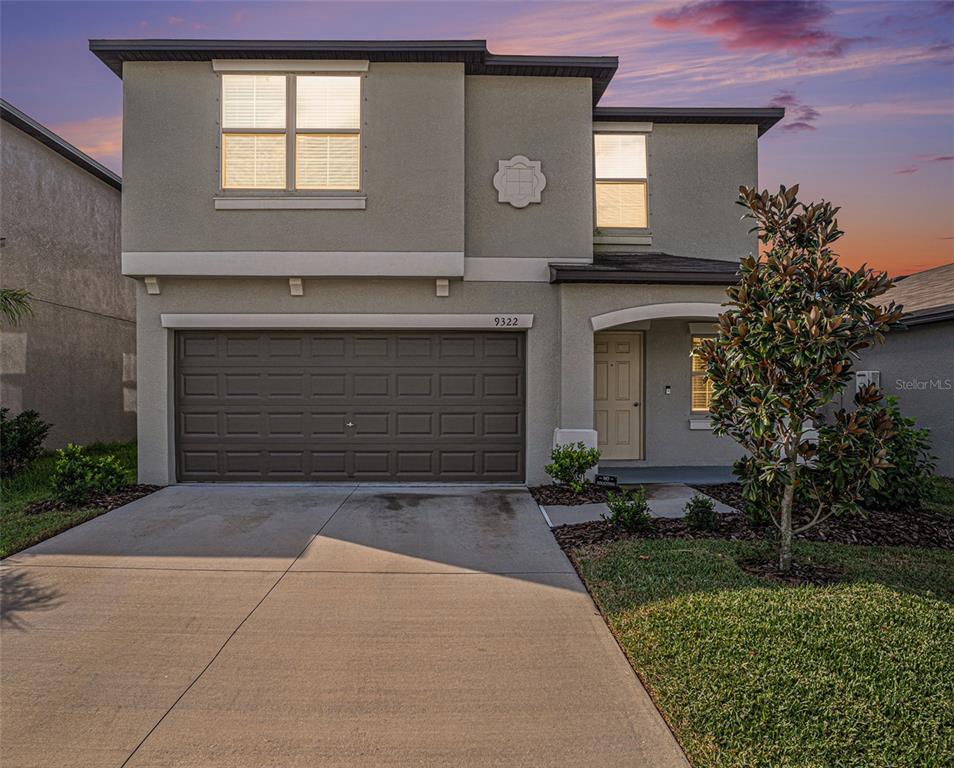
(664, 500)
(315, 626)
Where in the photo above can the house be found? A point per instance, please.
(74, 359)
(916, 363)
(418, 261)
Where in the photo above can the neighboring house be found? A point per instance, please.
(916, 364)
(418, 260)
(74, 358)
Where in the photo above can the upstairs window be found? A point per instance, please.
(621, 181)
(287, 132)
(253, 131)
(328, 138)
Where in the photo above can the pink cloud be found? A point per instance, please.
(905, 171)
(799, 115)
(99, 137)
(943, 159)
(793, 26)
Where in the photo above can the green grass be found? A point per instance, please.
(750, 673)
(19, 530)
(943, 498)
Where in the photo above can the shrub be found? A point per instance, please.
(570, 463)
(21, 440)
(628, 509)
(907, 483)
(700, 513)
(77, 476)
(793, 328)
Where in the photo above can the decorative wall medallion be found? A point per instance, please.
(519, 181)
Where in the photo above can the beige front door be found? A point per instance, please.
(617, 394)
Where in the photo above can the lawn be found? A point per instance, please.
(943, 498)
(19, 530)
(752, 673)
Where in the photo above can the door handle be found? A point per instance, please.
(636, 404)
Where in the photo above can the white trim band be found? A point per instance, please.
(655, 311)
(512, 270)
(607, 126)
(294, 263)
(290, 203)
(235, 321)
(289, 65)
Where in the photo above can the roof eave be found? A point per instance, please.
(45, 136)
(472, 53)
(930, 315)
(762, 117)
(572, 274)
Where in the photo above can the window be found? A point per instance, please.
(701, 385)
(621, 181)
(327, 120)
(313, 119)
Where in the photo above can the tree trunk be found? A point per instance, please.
(785, 539)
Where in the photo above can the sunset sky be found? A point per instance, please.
(869, 86)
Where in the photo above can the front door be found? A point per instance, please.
(617, 394)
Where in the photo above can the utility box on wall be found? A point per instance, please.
(864, 378)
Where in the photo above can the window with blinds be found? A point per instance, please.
(701, 390)
(314, 121)
(621, 181)
(253, 131)
(328, 132)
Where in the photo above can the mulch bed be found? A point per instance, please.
(877, 528)
(107, 501)
(562, 495)
(882, 529)
(801, 573)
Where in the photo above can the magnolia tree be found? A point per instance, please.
(795, 324)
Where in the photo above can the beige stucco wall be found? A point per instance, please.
(413, 167)
(156, 457)
(546, 119)
(431, 141)
(695, 172)
(668, 439)
(559, 353)
(74, 359)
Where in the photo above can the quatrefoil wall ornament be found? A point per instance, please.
(519, 181)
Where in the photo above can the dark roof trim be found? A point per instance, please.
(45, 136)
(571, 273)
(472, 53)
(932, 315)
(763, 117)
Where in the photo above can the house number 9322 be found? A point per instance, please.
(506, 321)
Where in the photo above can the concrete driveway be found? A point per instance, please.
(315, 626)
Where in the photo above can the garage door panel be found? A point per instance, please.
(334, 406)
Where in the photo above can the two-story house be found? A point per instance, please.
(417, 261)
(73, 358)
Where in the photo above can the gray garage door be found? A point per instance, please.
(287, 406)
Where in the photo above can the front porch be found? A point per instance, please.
(632, 473)
(639, 398)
